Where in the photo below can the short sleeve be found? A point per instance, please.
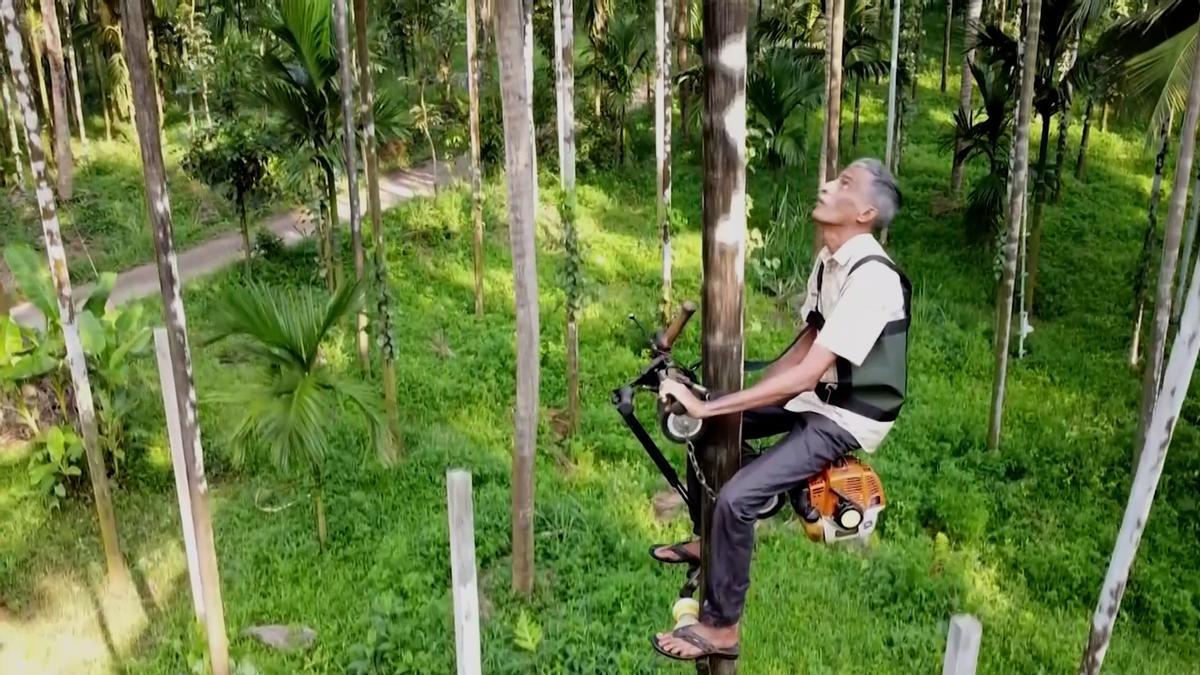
(872, 298)
(810, 295)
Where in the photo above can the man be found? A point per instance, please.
(837, 389)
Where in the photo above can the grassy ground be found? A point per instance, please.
(1019, 537)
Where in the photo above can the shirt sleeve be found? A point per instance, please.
(871, 299)
(810, 296)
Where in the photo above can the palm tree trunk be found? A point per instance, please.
(682, 22)
(101, 73)
(334, 270)
(833, 115)
(564, 50)
(511, 33)
(946, 43)
(383, 331)
(823, 157)
(971, 25)
(890, 146)
(914, 51)
(36, 49)
(246, 247)
(1081, 162)
(1104, 118)
(1152, 374)
(1185, 260)
(158, 207)
(723, 245)
(428, 136)
(64, 164)
(1016, 200)
(1141, 276)
(346, 70)
(662, 143)
(1035, 230)
(73, 64)
(857, 114)
(473, 84)
(1064, 128)
(11, 116)
(57, 259)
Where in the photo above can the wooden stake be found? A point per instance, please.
(462, 572)
(962, 645)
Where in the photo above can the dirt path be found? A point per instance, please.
(215, 254)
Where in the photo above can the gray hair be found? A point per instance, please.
(884, 193)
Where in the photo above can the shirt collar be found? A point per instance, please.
(854, 248)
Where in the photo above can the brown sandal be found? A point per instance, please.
(691, 637)
(680, 550)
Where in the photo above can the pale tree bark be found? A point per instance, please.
(383, 307)
(1153, 454)
(59, 274)
(662, 142)
(158, 206)
(1170, 254)
(73, 64)
(682, 24)
(1016, 205)
(511, 33)
(11, 116)
(946, 43)
(1141, 276)
(1189, 240)
(63, 163)
(894, 74)
(349, 148)
(724, 245)
(473, 84)
(564, 68)
(833, 113)
(966, 88)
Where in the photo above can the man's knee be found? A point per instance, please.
(735, 501)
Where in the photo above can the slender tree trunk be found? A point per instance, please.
(1185, 260)
(564, 65)
(511, 34)
(893, 77)
(724, 239)
(64, 164)
(346, 70)
(36, 49)
(1153, 453)
(857, 114)
(914, 51)
(823, 157)
(1141, 278)
(73, 64)
(1016, 202)
(383, 310)
(101, 72)
(833, 116)
(1104, 118)
(1035, 230)
(1152, 374)
(682, 23)
(319, 510)
(1060, 158)
(159, 207)
(473, 84)
(11, 116)
(662, 143)
(1081, 162)
(246, 247)
(946, 43)
(428, 136)
(57, 259)
(971, 24)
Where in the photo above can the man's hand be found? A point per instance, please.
(680, 392)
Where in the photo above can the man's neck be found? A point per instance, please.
(835, 237)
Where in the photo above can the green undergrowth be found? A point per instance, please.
(1020, 537)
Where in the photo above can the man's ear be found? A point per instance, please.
(867, 215)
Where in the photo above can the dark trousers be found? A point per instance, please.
(810, 443)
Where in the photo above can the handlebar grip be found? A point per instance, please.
(676, 327)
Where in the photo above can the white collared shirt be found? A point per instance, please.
(855, 309)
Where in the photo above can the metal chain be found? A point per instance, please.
(699, 474)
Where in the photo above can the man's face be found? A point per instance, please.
(844, 200)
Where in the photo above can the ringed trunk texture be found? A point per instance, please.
(1039, 208)
(971, 24)
(682, 22)
(333, 272)
(890, 146)
(57, 258)
(564, 64)
(1141, 278)
(72, 63)
(64, 165)
(833, 119)
(662, 143)
(511, 33)
(159, 207)
(1016, 203)
(946, 43)
(473, 84)
(1166, 270)
(11, 117)
(724, 239)
(1081, 162)
(346, 71)
(1185, 260)
(383, 308)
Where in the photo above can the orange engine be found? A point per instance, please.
(842, 502)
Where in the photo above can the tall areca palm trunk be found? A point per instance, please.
(73, 65)
(158, 205)
(1141, 276)
(971, 25)
(724, 241)
(833, 115)
(349, 138)
(662, 142)
(946, 43)
(1016, 205)
(64, 164)
(1189, 239)
(101, 68)
(1081, 160)
(57, 259)
(1151, 376)
(473, 84)
(682, 23)
(11, 115)
(383, 307)
(564, 68)
(1041, 188)
(511, 33)
(893, 86)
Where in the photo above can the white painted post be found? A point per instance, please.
(462, 571)
(166, 378)
(962, 645)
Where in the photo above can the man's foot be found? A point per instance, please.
(697, 641)
(677, 553)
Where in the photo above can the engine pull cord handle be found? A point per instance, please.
(665, 341)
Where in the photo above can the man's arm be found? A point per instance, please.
(783, 384)
(794, 355)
